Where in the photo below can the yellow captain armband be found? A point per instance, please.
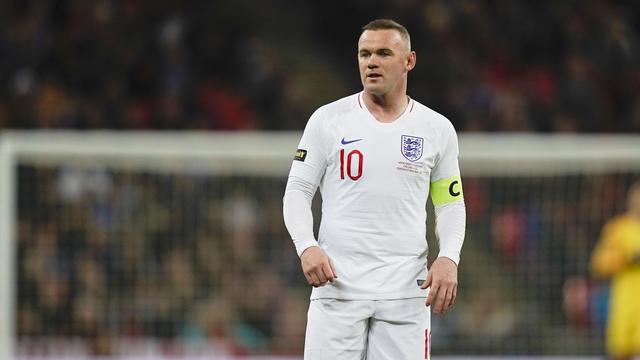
(446, 190)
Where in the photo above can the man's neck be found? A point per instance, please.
(386, 108)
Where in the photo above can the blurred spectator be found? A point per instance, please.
(118, 258)
(124, 257)
(522, 66)
(617, 257)
(118, 261)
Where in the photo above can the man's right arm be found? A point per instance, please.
(316, 265)
(309, 165)
(296, 211)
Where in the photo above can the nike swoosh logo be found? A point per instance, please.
(345, 142)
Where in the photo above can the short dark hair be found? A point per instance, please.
(388, 24)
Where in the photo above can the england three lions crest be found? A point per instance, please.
(412, 147)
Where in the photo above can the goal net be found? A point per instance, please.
(173, 244)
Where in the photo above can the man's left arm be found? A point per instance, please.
(448, 200)
(443, 274)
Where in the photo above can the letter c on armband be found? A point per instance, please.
(451, 191)
(447, 190)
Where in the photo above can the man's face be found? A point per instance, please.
(384, 58)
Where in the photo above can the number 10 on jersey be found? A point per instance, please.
(350, 159)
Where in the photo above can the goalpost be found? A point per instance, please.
(7, 251)
(89, 209)
(197, 153)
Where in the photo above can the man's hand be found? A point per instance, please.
(317, 267)
(443, 279)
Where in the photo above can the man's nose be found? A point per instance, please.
(372, 62)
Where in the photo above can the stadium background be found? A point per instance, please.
(123, 261)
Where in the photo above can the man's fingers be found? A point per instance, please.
(315, 281)
(444, 299)
(442, 276)
(438, 302)
(317, 266)
(321, 277)
(333, 268)
(446, 303)
(328, 272)
(428, 281)
(309, 279)
(432, 294)
(454, 293)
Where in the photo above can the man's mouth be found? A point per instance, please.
(373, 76)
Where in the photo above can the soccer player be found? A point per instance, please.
(617, 256)
(376, 156)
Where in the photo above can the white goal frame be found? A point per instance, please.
(266, 154)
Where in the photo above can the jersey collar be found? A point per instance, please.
(363, 107)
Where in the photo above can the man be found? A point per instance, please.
(376, 155)
(617, 256)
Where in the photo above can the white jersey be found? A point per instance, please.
(374, 179)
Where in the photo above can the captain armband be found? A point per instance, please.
(446, 190)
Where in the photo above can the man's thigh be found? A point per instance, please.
(400, 329)
(337, 329)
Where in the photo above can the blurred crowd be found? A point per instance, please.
(525, 281)
(137, 263)
(118, 259)
(115, 262)
(544, 66)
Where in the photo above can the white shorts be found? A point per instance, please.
(368, 330)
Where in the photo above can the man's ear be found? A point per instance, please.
(411, 60)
